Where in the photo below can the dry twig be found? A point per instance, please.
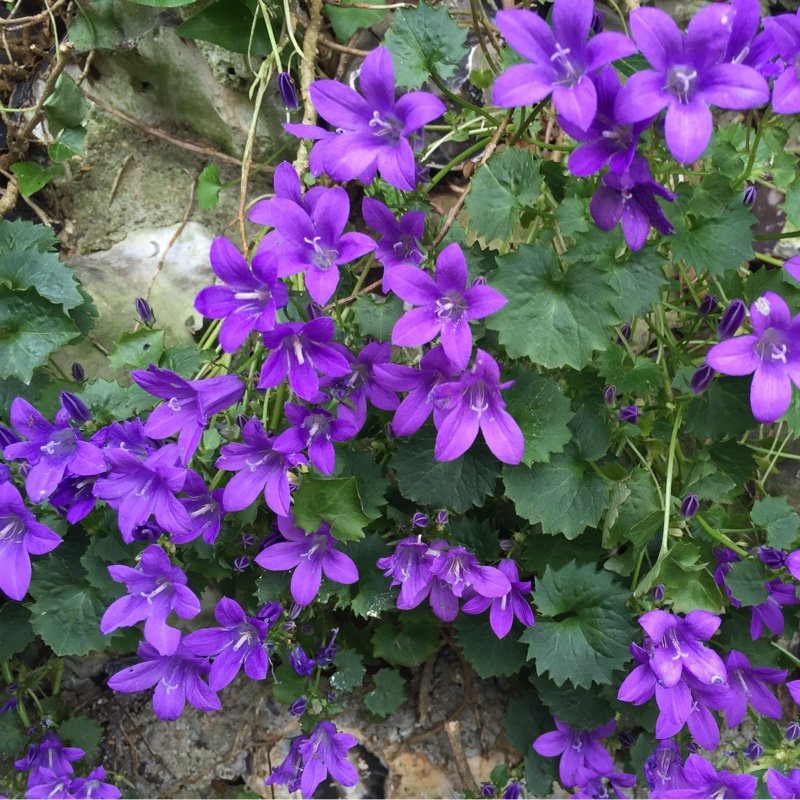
(307, 68)
(21, 22)
(452, 731)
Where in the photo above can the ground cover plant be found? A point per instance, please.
(540, 424)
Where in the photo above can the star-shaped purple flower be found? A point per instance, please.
(770, 612)
(746, 684)
(703, 781)
(51, 755)
(204, 508)
(409, 567)
(577, 748)
(505, 608)
(324, 751)
(94, 787)
(784, 31)
(309, 554)
(783, 786)
(563, 59)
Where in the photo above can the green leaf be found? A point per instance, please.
(228, 24)
(374, 591)
(746, 581)
(138, 350)
(29, 269)
(542, 412)
(31, 177)
(592, 437)
(372, 485)
(82, 732)
(24, 235)
(769, 735)
(349, 671)
(722, 410)
(11, 739)
(553, 318)
(65, 107)
(572, 216)
(455, 485)
(502, 188)
(377, 319)
(591, 637)
(109, 402)
(638, 281)
(288, 685)
(15, 629)
(480, 538)
(388, 695)
(645, 374)
(411, 646)
(486, 654)
(346, 21)
(185, 359)
(163, 3)
(102, 552)
(527, 718)
(780, 520)
(208, 187)
(422, 42)
(687, 581)
(30, 332)
(639, 515)
(565, 496)
(580, 708)
(335, 501)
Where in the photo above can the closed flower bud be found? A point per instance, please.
(328, 653)
(242, 420)
(248, 540)
(792, 732)
(487, 790)
(270, 612)
(708, 305)
(419, 520)
(629, 414)
(610, 395)
(442, 517)
(689, 506)
(297, 709)
(300, 662)
(701, 379)
(144, 311)
(331, 697)
(241, 563)
(749, 197)
(314, 310)
(506, 545)
(658, 592)
(598, 21)
(75, 407)
(479, 281)
(625, 739)
(78, 373)
(732, 319)
(774, 559)
(287, 91)
(388, 429)
(10, 705)
(693, 747)
(625, 332)
(753, 751)
(512, 792)
(306, 628)
(8, 437)
(295, 611)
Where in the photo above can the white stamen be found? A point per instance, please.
(174, 404)
(49, 448)
(779, 354)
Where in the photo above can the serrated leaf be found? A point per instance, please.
(288, 685)
(501, 190)
(110, 402)
(82, 732)
(11, 739)
(747, 582)
(377, 319)
(388, 695)
(409, 646)
(375, 593)
(637, 379)
(372, 485)
(138, 350)
(30, 332)
(24, 235)
(349, 671)
(591, 637)
(542, 412)
(565, 496)
(455, 485)
(208, 187)
(555, 319)
(527, 718)
(780, 520)
(185, 359)
(102, 552)
(335, 501)
(770, 736)
(423, 41)
(722, 410)
(485, 653)
(639, 515)
(578, 707)
(29, 269)
(638, 281)
(15, 629)
(686, 591)
(572, 216)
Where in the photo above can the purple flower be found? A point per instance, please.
(51, 755)
(703, 781)
(562, 60)
(701, 379)
(20, 536)
(372, 131)
(139, 489)
(324, 751)
(258, 467)
(316, 430)
(300, 350)
(176, 676)
(687, 77)
(607, 141)
(445, 305)
(239, 642)
(434, 369)
(512, 792)
(774, 559)
(286, 185)
(505, 608)
(732, 318)
(94, 787)
(301, 663)
(792, 731)
(689, 506)
(314, 240)
(154, 589)
(290, 771)
(769, 613)
(51, 450)
(77, 372)
(487, 790)
(630, 198)
(708, 305)
(784, 31)
(420, 520)
(409, 567)
(460, 570)
(578, 749)
(287, 91)
(746, 684)
(771, 352)
(75, 407)
(129, 436)
(594, 785)
(144, 311)
(783, 786)
(629, 414)
(472, 403)
(74, 498)
(50, 785)
(309, 554)
(249, 297)
(190, 404)
(664, 768)
(401, 240)
(204, 509)
(753, 751)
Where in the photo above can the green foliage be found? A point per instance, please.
(82, 732)
(642, 376)
(43, 272)
(723, 410)
(288, 685)
(388, 695)
(31, 177)
(372, 485)
(424, 42)
(590, 638)
(507, 184)
(746, 581)
(577, 707)
(779, 519)
(687, 581)
(11, 741)
(349, 671)
(374, 593)
(335, 501)
(138, 350)
(455, 485)
(66, 107)
(638, 280)
(208, 187)
(377, 319)
(488, 655)
(231, 24)
(15, 629)
(635, 513)
(346, 21)
(413, 644)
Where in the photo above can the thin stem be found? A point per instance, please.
(461, 102)
(537, 109)
(719, 536)
(739, 182)
(790, 655)
(277, 409)
(473, 8)
(457, 160)
(673, 443)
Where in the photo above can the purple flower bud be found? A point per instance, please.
(625, 332)
(10, 705)
(288, 627)
(693, 747)
(8, 437)
(331, 697)
(75, 407)
(326, 656)
(598, 21)
(46, 722)
(753, 751)
(298, 708)
(658, 592)
(506, 545)
(248, 540)
(610, 395)
(748, 199)
(732, 319)
(701, 379)
(144, 311)
(242, 420)
(480, 281)
(300, 662)
(512, 792)
(78, 373)
(270, 612)
(442, 517)
(487, 790)
(388, 429)
(294, 611)
(12, 687)
(689, 506)
(419, 520)
(274, 538)
(625, 739)
(314, 310)
(241, 563)
(708, 305)
(24, 470)
(774, 559)
(306, 628)
(629, 414)
(287, 91)
(792, 732)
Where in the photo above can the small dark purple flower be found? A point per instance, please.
(270, 612)
(625, 739)
(241, 563)
(298, 708)
(629, 414)
(774, 559)
(7, 437)
(420, 520)
(50, 754)
(512, 792)
(287, 91)
(300, 662)
(732, 318)
(689, 506)
(144, 311)
(598, 21)
(327, 655)
(792, 732)
(487, 790)
(94, 787)
(503, 609)
(610, 395)
(708, 305)
(701, 379)
(658, 592)
(75, 407)
(248, 540)
(753, 751)
(749, 199)
(577, 748)
(442, 517)
(77, 372)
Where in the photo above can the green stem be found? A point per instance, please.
(461, 102)
(784, 235)
(673, 443)
(739, 182)
(362, 278)
(769, 452)
(455, 162)
(525, 124)
(789, 655)
(58, 369)
(58, 677)
(277, 409)
(719, 536)
(217, 480)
